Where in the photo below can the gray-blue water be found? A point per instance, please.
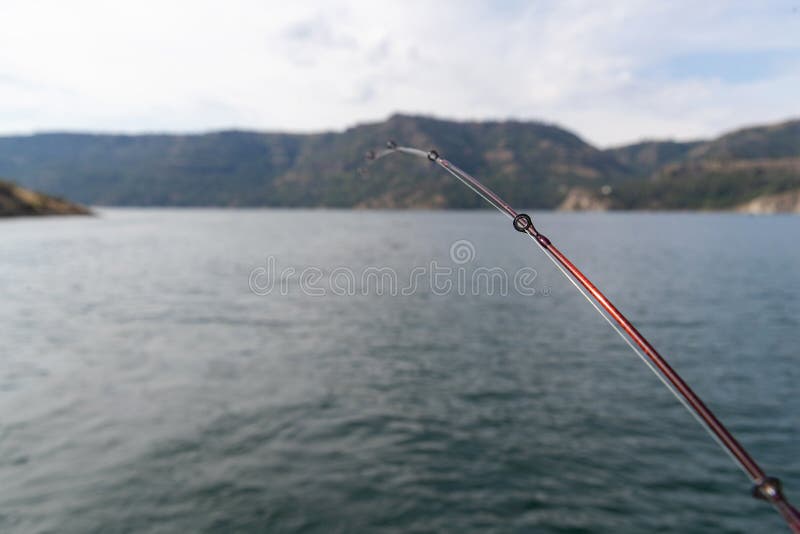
(145, 387)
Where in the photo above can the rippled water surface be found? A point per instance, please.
(144, 387)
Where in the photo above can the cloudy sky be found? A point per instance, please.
(613, 71)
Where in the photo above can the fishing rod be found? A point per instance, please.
(764, 487)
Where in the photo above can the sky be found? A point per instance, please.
(613, 71)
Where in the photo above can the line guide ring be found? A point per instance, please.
(522, 222)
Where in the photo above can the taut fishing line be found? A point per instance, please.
(765, 487)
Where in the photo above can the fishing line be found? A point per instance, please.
(503, 208)
(766, 488)
(645, 360)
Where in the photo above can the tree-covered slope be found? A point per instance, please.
(723, 173)
(647, 157)
(537, 165)
(531, 161)
(773, 141)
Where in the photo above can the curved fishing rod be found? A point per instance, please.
(765, 487)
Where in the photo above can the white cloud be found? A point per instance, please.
(188, 66)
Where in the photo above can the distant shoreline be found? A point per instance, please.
(96, 209)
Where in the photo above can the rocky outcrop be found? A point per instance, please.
(788, 202)
(18, 201)
(583, 199)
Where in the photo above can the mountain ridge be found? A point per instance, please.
(537, 164)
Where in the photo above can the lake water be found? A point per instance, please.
(153, 380)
